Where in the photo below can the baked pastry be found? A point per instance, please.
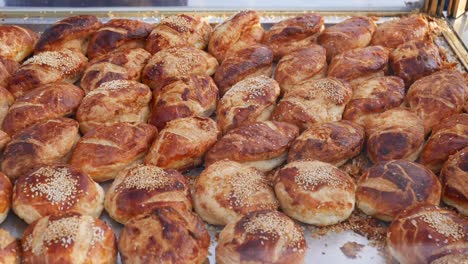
(172, 64)
(125, 64)
(262, 145)
(47, 142)
(374, 96)
(437, 96)
(6, 100)
(251, 61)
(425, 233)
(139, 189)
(352, 33)
(394, 134)
(177, 31)
(165, 235)
(454, 179)
(226, 190)
(69, 238)
(4, 139)
(71, 33)
(250, 100)
(334, 142)
(16, 43)
(6, 190)
(47, 67)
(315, 192)
(46, 102)
(356, 65)
(300, 65)
(118, 34)
(182, 144)
(448, 137)
(107, 150)
(240, 30)
(10, 248)
(452, 259)
(194, 95)
(313, 101)
(113, 102)
(415, 59)
(393, 33)
(389, 187)
(264, 236)
(293, 33)
(8, 68)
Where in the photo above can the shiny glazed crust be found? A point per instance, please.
(16, 43)
(454, 179)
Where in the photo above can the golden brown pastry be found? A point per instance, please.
(8, 68)
(300, 65)
(118, 34)
(250, 100)
(107, 150)
(10, 248)
(454, 179)
(315, 192)
(334, 142)
(389, 187)
(437, 96)
(47, 67)
(313, 101)
(139, 189)
(262, 145)
(425, 233)
(56, 189)
(71, 33)
(69, 238)
(46, 102)
(172, 64)
(177, 31)
(6, 100)
(165, 235)
(16, 43)
(293, 33)
(226, 190)
(240, 30)
(251, 61)
(415, 59)
(4, 139)
(182, 144)
(393, 33)
(194, 95)
(6, 190)
(264, 236)
(452, 259)
(113, 102)
(125, 64)
(47, 142)
(448, 137)
(394, 134)
(374, 96)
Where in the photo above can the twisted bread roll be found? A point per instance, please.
(16, 43)
(393, 33)
(6, 100)
(10, 248)
(6, 190)
(8, 68)
(454, 178)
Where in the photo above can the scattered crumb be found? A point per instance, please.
(356, 166)
(351, 249)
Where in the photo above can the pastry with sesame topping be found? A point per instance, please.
(454, 179)
(10, 248)
(16, 43)
(6, 190)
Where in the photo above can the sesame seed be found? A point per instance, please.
(62, 231)
(254, 86)
(312, 174)
(443, 224)
(245, 184)
(60, 60)
(180, 23)
(115, 85)
(147, 178)
(185, 59)
(98, 235)
(331, 89)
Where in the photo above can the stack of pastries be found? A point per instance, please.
(273, 117)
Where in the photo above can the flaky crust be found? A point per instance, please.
(194, 95)
(395, 32)
(47, 142)
(16, 43)
(6, 190)
(6, 100)
(8, 68)
(46, 102)
(10, 248)
(424, 233)
(454, 179)
(107, 150)
(69, 238)
(182, 144)
(333, 142)
(264, 236)
(166, 235)
(4, 139)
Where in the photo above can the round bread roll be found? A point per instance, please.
(389, 187)
(393, 33)
(250, 100)
(394, 134)
(313, 101)
(6, 100)
(165, 235)
(227, 189)
(454, 179)
(264, 236)
(10, 248)
(315, 192)
(139, 189)
(334, 143)
(16, 43)
(56, 189)
(422, 234)
(182, 144)
(6, 190)
(69, 238)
